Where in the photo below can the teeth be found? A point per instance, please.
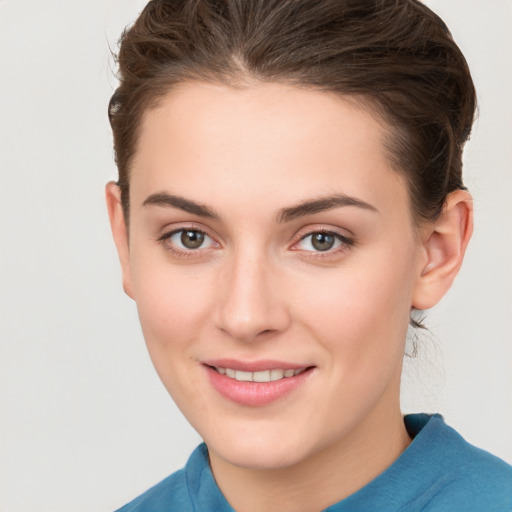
(243, 376)
(276, 374)
(261, 376)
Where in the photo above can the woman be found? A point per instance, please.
(289, 196)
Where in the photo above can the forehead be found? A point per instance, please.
(274, 140)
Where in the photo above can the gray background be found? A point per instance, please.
(85, 423)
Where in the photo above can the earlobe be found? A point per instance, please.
(444, 244)
(119, 232)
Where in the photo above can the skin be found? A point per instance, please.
(258, 289)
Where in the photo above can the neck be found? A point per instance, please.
(325, 477)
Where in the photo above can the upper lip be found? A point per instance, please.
(254, 366)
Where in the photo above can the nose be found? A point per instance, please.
(251, 302)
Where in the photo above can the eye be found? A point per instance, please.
(322, 241)
(187, 240)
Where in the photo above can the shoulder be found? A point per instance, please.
(188, 490)
(174, 493)
(170, 492)
(462, 475)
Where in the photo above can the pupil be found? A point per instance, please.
(192, 239)
(322, 241)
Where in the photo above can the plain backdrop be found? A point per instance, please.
(85, 423)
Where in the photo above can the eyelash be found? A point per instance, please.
(345, 243)
(180, 253)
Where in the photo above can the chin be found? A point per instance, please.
(256, 459)
(259, 452)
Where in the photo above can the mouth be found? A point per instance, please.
(259, 376)
(256, 384)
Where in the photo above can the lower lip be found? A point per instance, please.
(255, 394)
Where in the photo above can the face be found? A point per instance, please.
(273, 260)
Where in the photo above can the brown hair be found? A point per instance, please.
(396, 54)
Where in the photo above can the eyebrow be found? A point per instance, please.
(164, 199)
(303, 209)
(320, 205)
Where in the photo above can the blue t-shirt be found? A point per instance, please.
(438, 472)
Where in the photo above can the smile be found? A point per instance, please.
(260, 376)
(256, 384)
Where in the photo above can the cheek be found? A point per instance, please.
(360, 312)
(172, 317)
(172, 303)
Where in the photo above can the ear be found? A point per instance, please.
(119, 232)
(444, 244)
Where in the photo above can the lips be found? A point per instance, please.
(255, 384)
